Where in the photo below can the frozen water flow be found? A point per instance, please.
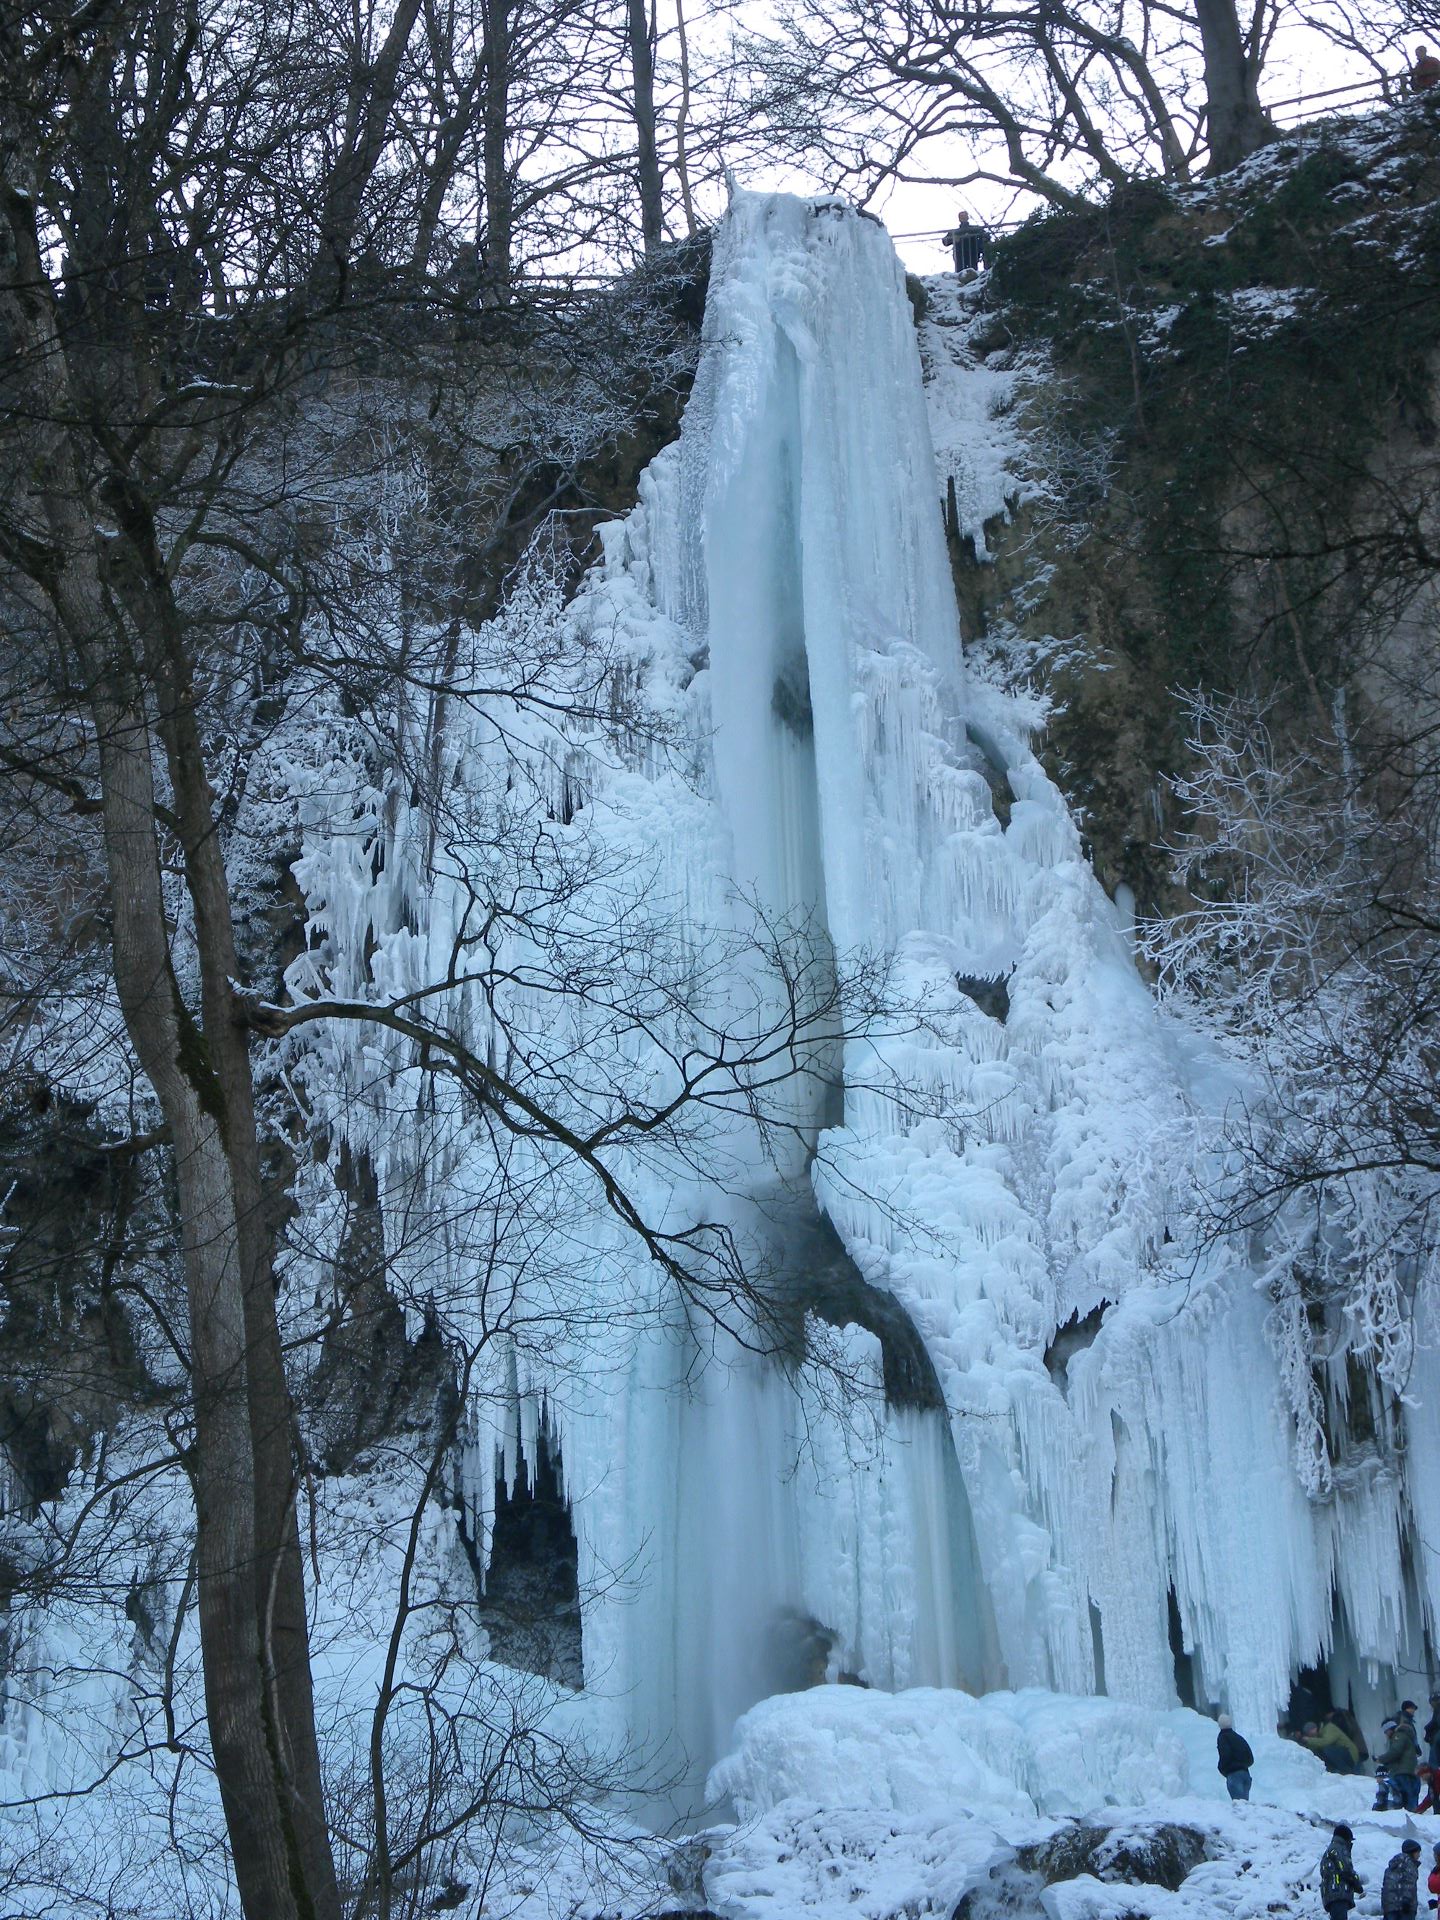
(792, 770)
(779, 604)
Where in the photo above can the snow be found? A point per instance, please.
(805, 1859)
(885, 1805)
(927, 1750)
(970, 402)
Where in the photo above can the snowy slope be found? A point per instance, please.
(858, 1804)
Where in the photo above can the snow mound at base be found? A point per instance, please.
(805, 1863)
(916, 1752)
(858, 1805)
(996, 1756)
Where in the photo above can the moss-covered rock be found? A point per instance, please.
(1254, 350)
(1158, 1856)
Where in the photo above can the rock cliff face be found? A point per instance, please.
(1232, 463)
(79, 1223)
(1187, 445)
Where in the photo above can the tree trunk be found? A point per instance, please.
(641, 33)
(495, 131)
(682, 122)
(374, 88)
(279, 1569)
(1237, 122)
(263, 1761)
(172, 1055)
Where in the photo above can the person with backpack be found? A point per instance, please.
(1399, 1899)
(1234, 1759)
(1340, 1885)
(1396, 1767)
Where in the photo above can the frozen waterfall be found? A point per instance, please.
(998, 1168)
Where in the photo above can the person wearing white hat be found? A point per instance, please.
(1234, 1759)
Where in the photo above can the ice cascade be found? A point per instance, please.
(1004, 1146)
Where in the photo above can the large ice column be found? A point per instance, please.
(728, 1512)
(792, 539)
(829, 607)
(999, 1176)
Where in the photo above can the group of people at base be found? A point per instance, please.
(1399, 1776)
(1341, 1886)
(1337, 1740)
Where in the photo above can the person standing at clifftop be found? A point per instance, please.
(969, 244)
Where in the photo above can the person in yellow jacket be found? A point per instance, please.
(1332, 1745)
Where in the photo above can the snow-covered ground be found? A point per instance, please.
(862, 1804)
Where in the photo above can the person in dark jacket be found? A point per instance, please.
(1340, 1885)
(969, 244)
(1234, 1759)
(1395, 1770)
(1432, 1732)
(1395, 1764)
(1399, 1897)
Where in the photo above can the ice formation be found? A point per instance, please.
(748, 763)
(1005, 1145)
(1021, 1446)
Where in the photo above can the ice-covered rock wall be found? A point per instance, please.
(1005, 1142)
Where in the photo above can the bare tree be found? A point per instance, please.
(1060, 99)
(1309, 946)
(682, 121)
(1234, 51)
(145, 154)
(640, 33)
